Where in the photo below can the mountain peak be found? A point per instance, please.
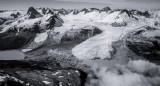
(106, 8)
(33, 13)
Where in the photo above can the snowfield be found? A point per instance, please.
(114, 24)
(94, 54)
(100, 46)
(7, 14)
(41, 37)
(27, 23)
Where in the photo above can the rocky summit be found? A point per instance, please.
(32, 13)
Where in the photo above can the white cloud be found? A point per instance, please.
(132, 74)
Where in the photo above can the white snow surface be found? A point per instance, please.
(27, 23)
(26, 50)
(7, 14)
(46, 82)
(41, 37)
(2, 78)
(100, 45)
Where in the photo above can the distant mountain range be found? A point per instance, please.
(54, 40)
(22, 27)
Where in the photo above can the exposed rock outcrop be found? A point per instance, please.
(15, 15)
(145, 41)
(81, 34)
(115, 24)
(33, 13)
(106, 9)
(46, 11)
(11, 41)
(140, 13)
(2, 21)
(42, 72)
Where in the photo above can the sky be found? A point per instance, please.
(24, 4)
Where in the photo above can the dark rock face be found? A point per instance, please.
(94, 9)
(17, 36)
(63, 11)
(10, 82)
(126, 11)
(14, 39)
(85, 10)
(33, 13)
(46, 11)
(140, 13)
(75, 12)
(157, 23)
(11, 41)
(133, 13)
(54, 21)
(58, 21)
(106, 9)
(2, 21)
(115, 24)
(34, 29)
(39, 73)
(15, 15)
(145, 41)
(129, 13)
(51, 21)
(81, 34)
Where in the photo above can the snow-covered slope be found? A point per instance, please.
(9, 14)
(31, 19)
(100, 46)
(27, 26)
(115, 24)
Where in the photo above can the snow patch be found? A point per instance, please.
(46, 82)
(56, 73)
(26, 50)
(41, 37)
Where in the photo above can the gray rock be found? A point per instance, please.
(42, 72)
(145, 41)
(81, 34)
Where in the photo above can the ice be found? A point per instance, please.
(56, 73)
(100, 46)
(26, 50)
(41, 37)
(46, 82)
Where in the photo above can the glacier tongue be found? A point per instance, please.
(99, 46)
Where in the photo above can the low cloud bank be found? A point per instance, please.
(135, 73)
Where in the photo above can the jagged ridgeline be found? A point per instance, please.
(32, 28)
(18, 32)
(33, 21)
(56, 40)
